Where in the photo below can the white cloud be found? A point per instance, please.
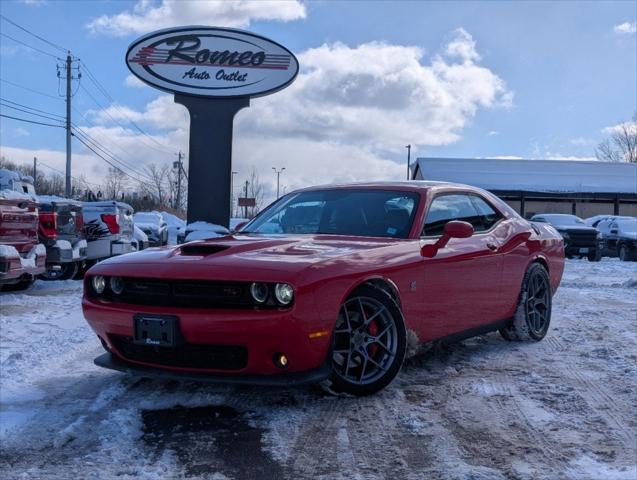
(147, 15)
(347, 116)
(134, 82)
(626, 28)
(630, 126)
(33, 2)
(559, 156)
(493, 133)
(462, 46)
(582, 142)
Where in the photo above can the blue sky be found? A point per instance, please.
(560, 72)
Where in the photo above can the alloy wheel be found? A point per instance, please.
(538, 303)
(365, 341)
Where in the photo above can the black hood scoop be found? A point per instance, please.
(202, 249)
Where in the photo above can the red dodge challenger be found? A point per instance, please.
(329, 284)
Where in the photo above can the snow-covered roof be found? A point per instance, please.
(56, 199)
(532, 175)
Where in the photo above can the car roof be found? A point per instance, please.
(407, 185)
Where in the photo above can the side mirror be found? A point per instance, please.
(453, 229)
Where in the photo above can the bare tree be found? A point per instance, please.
(114, 183)
(159, 182)
(622, 144)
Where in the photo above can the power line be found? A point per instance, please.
(28, 46)
(111, 164)
(33, 34)
(107, 152)
(30, 121)
(30, 108)
(29, 113)
(104, 92)
(30, 89)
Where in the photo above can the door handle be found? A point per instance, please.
(492, 246)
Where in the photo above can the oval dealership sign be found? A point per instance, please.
(212, 62)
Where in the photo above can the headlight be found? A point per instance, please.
(284, 293)
(99, 284)
(259, 292)
(117, 285)
(599, 235)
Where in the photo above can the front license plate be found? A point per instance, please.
(583, 250)
(156, 330)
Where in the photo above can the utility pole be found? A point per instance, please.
(408, 147)
(178, 166)
(35, 172)
(278, 176)
(245, 207)
(68, 69)
(67, 189)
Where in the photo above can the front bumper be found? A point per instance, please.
(14, 268)
(108, 360)
(263, 333)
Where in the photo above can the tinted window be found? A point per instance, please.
(356, 212)
(445, 208)
(489, 216)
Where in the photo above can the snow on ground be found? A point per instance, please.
(480, 409)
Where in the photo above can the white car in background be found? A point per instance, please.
(154, 226)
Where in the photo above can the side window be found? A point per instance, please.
(489, 216)
(445, 208)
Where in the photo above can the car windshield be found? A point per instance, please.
(627, 225)
(146, 218)
(355, 212)
(564, 219)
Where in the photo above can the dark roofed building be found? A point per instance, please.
(584, 188)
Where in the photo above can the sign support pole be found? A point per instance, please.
(210, 154)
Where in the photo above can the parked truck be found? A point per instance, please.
(108, 227)
(22, 256)
(62, 232)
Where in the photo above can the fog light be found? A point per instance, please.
(280, 360)
(99, 284)
(117, 285)
(284, 293)
(259, 292)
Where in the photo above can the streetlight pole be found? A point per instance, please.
(232, 192)
(408, 147)
(278, 176)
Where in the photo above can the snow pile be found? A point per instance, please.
(7, 251)
(14, 195)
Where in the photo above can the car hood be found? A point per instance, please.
(574, 228)
(246, 256)
(147, 226)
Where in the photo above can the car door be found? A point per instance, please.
(462, 282)
(612, 237)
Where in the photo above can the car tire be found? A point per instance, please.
(51, 274)
(70, 270)
(18, 287)
(596, 256)
(368, 343)
(624, 254)
(533, 314)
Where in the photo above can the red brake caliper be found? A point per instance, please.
(372, 329)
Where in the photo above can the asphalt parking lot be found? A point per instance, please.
(480, 409)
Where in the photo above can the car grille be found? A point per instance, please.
(185, 293)
(582, 239)
(189, 355)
